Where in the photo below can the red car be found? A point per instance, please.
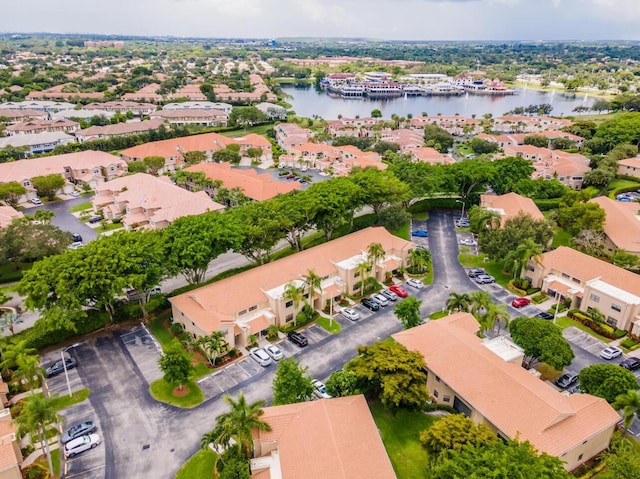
(520, 302)
(399, 290)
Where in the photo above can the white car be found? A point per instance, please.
(381, 300)
(74, 194)
(320, 389)
(350, 314)
(260, 356)
(274, 352)
(415, 283)
(610, 352)
(468, 242)
(76, 245)
(80, 444)
(36, 201)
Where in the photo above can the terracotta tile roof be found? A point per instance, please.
(512, 399)
(258, 187)
(218, 302)
(622, 223)
(510, 205)
(128, 128)
(12, 113)
(329, 438)
(632, 162)
(257, 324)
(430, 155)
(7, 215)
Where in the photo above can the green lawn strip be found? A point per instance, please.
(64, 401)
(13, 271)
(400, 434)
(422, 216)
(55, 459)
(258, 130)
(109, 227)
(548, 373)
(332, 326)
(561, 238)
(162, 334)
(565, 322)
(198, 466)
(619, 183)
(402, 232)
(81, 207)
(163, 391)
(492, 267)
(438, 314)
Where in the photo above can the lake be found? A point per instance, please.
(307, 102)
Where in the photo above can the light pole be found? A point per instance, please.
(64, 364)
(462, 213)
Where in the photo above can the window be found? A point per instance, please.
(288, 318)
(615, 307)
(565, 275)
(446, 398)
(437, 378)
(288, 304)
(594, 297)
(575, 280)
(356, 274)
(325, 277)
(435, 393)
(612, 321)
(240, 313)
(253, 308)
(306, 296)
(192, 323)
(355, 287)
(580, 457)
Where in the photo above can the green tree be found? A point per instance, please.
(48, 185)
(625, 260)
(419, 260)
(524, 252)
(599, 178)
(194, 157)
(408, 312)
(498, 243)
(379, 188)
(392, 373)
(607, 381)
(458, 302)
(226, 155)
(8, 320)
(342, 383)
(237, 424)
(175, 365)
(622, 462)
(293, 293)
(624, 128)
(246, 116)
(44, 216)
(542, 341)
(23, 241)
(536, 140)
(481, 218)
(11, 192)
(254, 153)
(297, 210)
(495, 314)
(376, 113)
(629, 404)
(338, 199)
(575, 214)
(481, 147)
(291, 384)
(479, 301)
(508, 172)
(393, 216)
(438, 138)
(453, 432)
(313, 284)
(261, 229)
(375, 252)
(154, 164)
(37, 414)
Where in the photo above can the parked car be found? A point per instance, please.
(415, 283)
(484, 279)
(380, 299)
(320, 390)
(420, 233)
(58, 367)
(80, 444)
(575, 389)
(520, 302)
(95, 219)
(463, 222)
(274, 351)
(624, 198)
(370, 304)
(544, 315)
(398, 290)
(473, 272)
(36, 201)
(631, 363)
(566, 380)
(76, 237)
(350, 314)
(298, 339)
(468, 242)
(74, 194)
(610, 352)
(390, 295)
(260, 356)
(76, 245)
(290, 176)
(78, 430)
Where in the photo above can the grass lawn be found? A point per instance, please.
(615, 184)
(492, 267)
(81, 207)
(13, 271)
(199, 466)
(64, 400)
(422, 216)
(400, 434)
(163, 391)
(258, 130)
(464, 149)
(55, 460)
(332, 326)
(402, 232)
(565, 322)
(561, 238)
(438, 314)
(108, 227)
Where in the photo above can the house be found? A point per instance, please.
(84, 167)
(406, 139)
(589, 283)
(528, 124)
(289, 135)
(258, 187)
(10, 453)
(621, 225)
(338, 160)
(200, 105)
(191, 91)
(45, 105)
(484, 380)
(146, 201)
(57, 93)
(135, 107)
(192, 117)
(248, 303)
(36, 143)
(146, 94)
(13, 116)
(628, 166)
(426, 154)
(456, 125)
(7, 215)
(32, 127)
(81, 114)
(119, 129)
(510, 206)
(329, 438)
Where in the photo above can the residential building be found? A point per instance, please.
(289, 135)
(146, 94)
(36, 143)
(192, 117)
(200, 105)
(191, 91)
(260, 92)
(57, 93)
(456, 125)
(336, 160)
(528, 124)
(426, 154)
(45, 105)
(359, 127)
(7, 215)
(14, 115)
(10, 453)
(513, 139)
(81, 114)
(510, 205)
(629, 166)
(621, 225)
(405, 138)
(272, 111)
(149, 202)
(119, 129)
(84, 167)
(258, 187)
(135, 107)
(329, 438)
(484, 380)
(32, 127)
(248, 303)
(589, 283)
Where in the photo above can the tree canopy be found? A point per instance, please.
(291, 384)
(607, 381)
(542, 341)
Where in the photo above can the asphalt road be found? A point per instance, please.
(65, 220)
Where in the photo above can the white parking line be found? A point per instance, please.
(79, 474)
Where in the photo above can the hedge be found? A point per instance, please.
(539, 298)
(548, 204)
(600, 328)
(429, 204)
(511, 287)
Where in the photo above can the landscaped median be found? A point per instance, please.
(200, 465)
(189, 396)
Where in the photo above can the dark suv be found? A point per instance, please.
(370, 304)
(473, 272)
(297, 338)
(58, 367)
(631, 363)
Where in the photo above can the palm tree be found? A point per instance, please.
(36, 415)
(28, 369)
(375, 251)
(480, 300)
(44, 216)
(213, 345)
(294, 293)
(495, 313)
(314, 283)
(363, 268)
(12, 352)
(482, 218)
(9, 320)
(629, 403)
(518, 258)
(237, 424)
(419, 259)
(458, 302)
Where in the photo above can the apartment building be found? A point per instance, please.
(629, 166)
(32, 127)
(119, 129)
(621, 225)
(510, 205)
(192, 117)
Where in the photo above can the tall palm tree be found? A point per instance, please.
(313, 282)
(12, 352)
(237, 424)
(458, 302)
(518, 258)
(36, 415)
(494, 315)
(375, 251)
(629, 403)
(213, 345)
(482, 218)
(363, 268)
(294, 293)
(480, 300)
(419, 259)
(29, 369)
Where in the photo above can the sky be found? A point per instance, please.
(380, 19)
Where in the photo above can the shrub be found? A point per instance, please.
(539, 298)
(532, 290)
(440, 407)
(157, 303)
(513, 288)
(176, 329)
(599, 328)
(628, 343)
(549, 204)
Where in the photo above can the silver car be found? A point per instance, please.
(381, 300)
(320, 390)
(415, 283)
(274, 351)
(260, 356)
(350, 314)
(80, 444)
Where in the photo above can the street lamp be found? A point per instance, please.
(64, 364)
(462, 202)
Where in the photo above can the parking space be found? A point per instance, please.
(144, 351)
(89, 464)
(57, 385)
(419, 226)
(583, 340)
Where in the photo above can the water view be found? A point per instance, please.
(307, 102)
